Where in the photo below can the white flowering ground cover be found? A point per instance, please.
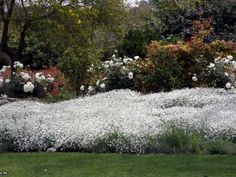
(79, 123)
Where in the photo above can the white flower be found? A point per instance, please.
(82, 87)
(4, 96)
(124, 69)
(50, 79)
(98, 83)
(131, 75)
(117, 64)
(1, 82)
(39, 77)
(18, 64)
(126, 60)
(234, 64)
(217, 59)
(102, 86)
(29, 87)
(25, 76)
(226, 74)
(111, 63)
(227, 61)
(90, 69)
(136, 57)
(228, 85)
(3, 70)
(211, 65)
(7, 81)
(194, 78)
(230, 57)
(130, 59)
(90, 89)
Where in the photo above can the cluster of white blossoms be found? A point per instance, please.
(50, 79)
(25, 76)
(18, 64)
(79, 123)
(229, 65)
(4, 69)
(39, 77)
(28, 87)
(194, 78)
(116, 64)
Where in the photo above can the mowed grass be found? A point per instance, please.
(115, 165)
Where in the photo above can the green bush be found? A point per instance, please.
(135, 43)
(75, 63)
(112, 142)
(219, 146)
(178, 140)
(175, 64)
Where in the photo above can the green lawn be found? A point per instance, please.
(115, 165)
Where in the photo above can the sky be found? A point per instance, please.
(132, 1)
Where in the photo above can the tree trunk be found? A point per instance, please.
(5, 35)
(21, 44)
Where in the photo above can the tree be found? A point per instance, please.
(24, 14)
(6, 10)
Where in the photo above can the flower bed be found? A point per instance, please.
(123, 120)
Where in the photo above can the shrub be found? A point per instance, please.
(135, 43)
(219, 74)
(29, 83)
(116, 73)
(179, 140)
(175, 64)
(74, 64)
(112, 142)
(219, 146)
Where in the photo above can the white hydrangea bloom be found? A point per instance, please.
(98, 83)
(39, 77)
(3, 70)
(4, 96)
(211, 65)
(234, 64)
(230, 57)
(25, 76)
(111, 63)
(131, 75)
(7, 81)
(102, 86)
(82, 87)
(136, 57)
(228, 85)
(227, 61)
(29, 87)
(125, 60)
(50, 79)
(194, 78)
(18, 64)
(90, 89)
